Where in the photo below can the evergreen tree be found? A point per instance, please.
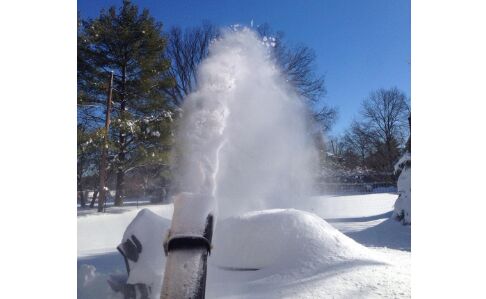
(88, 144)
(131, 45)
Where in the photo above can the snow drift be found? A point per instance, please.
(403, 205)
(285, 242)
(282, 239)
(356, 273)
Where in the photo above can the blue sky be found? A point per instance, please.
(361, 45)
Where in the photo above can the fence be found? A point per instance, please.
(357, 188)
(323, 189)
(127, 201)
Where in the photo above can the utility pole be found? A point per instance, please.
(104, 151)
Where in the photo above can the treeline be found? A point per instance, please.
(153, 70)
(370, 147)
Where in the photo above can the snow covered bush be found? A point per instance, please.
(402, 211)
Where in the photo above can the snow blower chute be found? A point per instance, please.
(186, 247)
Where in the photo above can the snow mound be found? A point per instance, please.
(282, 239)
(403, 205)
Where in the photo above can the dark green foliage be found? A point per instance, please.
(88, 143)
(130, 44)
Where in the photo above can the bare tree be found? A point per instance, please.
(386, 112)
(298, 66)
(335, 145)
(186, 49)
(326, 116)
(359, 140)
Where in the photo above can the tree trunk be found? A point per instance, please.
(120, 186)
(409, 141)
(80, 198)
(93, 200)
(80, 185)
(104, 150)
(120, 175)
(389, 156)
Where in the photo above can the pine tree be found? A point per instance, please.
(88, 144)
(131, 45)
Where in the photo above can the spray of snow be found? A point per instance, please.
(243, 133)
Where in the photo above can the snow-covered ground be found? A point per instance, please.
(333, 247)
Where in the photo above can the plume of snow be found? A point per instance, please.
(243, 132)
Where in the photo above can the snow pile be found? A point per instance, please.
(302, 256)
(243, 136)
(403, 205)
(282, 240)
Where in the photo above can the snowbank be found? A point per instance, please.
(282, 239)
(349, 206)
(403, 205)
(402, 162)
(298, 249)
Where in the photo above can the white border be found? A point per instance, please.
(37, 152)
(38, 149)
(448, 132)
